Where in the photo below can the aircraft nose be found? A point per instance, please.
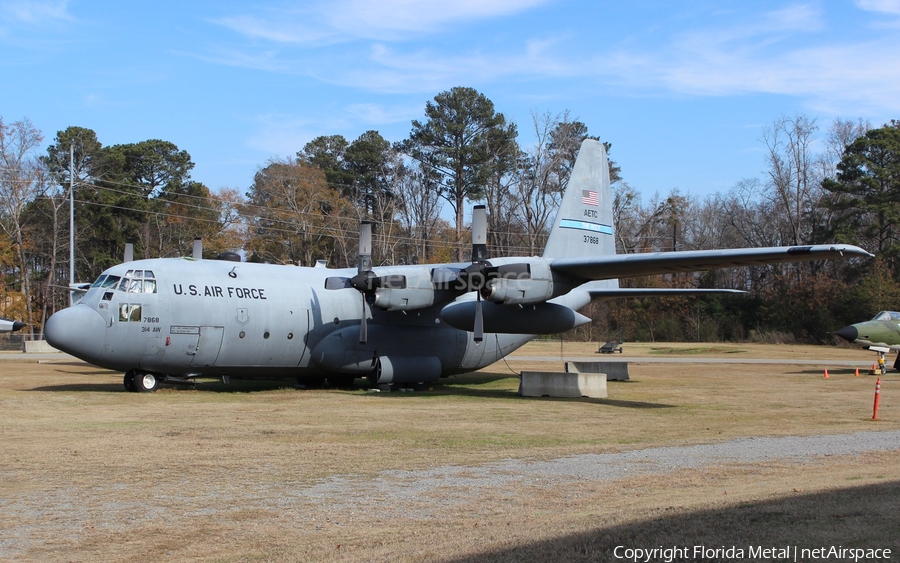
(848, 333)
(77, 330)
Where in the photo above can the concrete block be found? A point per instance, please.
(560, 384)
(39, 347)
(615, 371)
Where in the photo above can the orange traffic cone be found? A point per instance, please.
(826, 374)
(857, 373)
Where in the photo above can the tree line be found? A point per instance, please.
(837, 185)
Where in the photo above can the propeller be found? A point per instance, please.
(365, 281)
(479, 274)
(475, 275)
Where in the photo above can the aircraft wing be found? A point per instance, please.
(615, 266)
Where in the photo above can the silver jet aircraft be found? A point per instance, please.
(175, 319)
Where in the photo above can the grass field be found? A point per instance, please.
(233, 473)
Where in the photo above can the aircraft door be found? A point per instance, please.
(208, 346)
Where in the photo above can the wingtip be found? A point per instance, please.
(861, 252)
(849, 249)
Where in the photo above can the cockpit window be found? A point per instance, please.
(138, 281)
(887, 316)
(106, 281)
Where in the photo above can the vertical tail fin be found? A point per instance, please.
(584, 223)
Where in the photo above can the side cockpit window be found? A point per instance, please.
(129, 312)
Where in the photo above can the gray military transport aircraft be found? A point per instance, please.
(175, 319)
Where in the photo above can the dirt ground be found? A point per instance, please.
(248, 471)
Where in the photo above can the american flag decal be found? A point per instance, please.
(589, 197)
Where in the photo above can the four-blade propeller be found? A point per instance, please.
(365, 281)
(480, 273)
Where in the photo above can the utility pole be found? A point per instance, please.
(71, 223)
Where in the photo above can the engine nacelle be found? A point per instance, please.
(508, 291)
(403, 299)
(418, 294)
(406, 369)
(534, 287)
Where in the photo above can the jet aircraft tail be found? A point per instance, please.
(584, 222)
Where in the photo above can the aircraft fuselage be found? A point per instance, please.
(187, 318)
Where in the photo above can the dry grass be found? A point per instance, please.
(90, 472)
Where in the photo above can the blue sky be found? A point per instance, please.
(680, 89)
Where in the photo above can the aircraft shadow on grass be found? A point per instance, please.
(843, 517)
(466, 386)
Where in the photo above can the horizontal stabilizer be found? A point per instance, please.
(625, 293)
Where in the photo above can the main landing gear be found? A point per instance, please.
(141, 381)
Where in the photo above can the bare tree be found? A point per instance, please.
(498, 190)
(544, 172)
(22, 178)
(841, 133)
(793, 182)
(418, 210)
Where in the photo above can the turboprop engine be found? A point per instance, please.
(533, 284)
(417, 294)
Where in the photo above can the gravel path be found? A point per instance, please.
(29, 517)
(394, 489)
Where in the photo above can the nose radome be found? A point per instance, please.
(77, 330)
(848, 333)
